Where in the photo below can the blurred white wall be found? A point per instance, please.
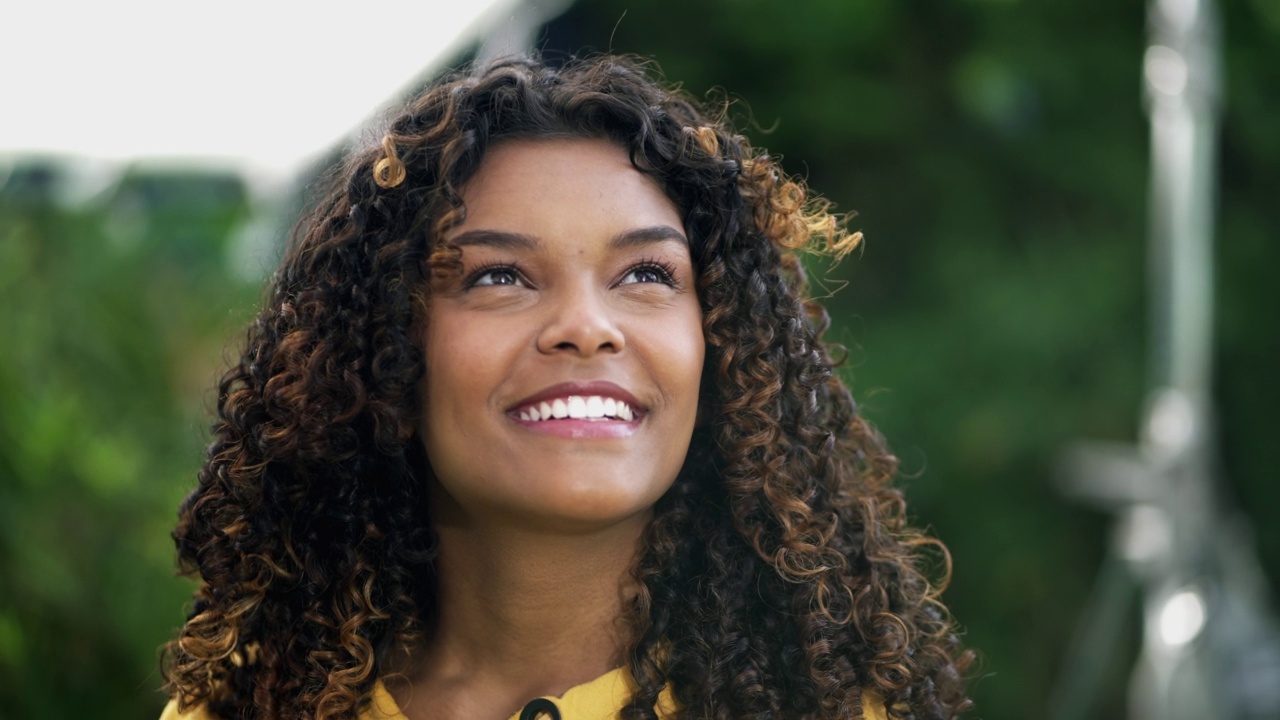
(259, 86)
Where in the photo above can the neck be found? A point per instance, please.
(517, 603)
(524, 611)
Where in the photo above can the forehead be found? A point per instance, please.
(562, 186)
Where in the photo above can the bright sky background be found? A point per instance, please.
(263, 86)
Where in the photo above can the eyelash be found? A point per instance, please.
(666, 271)
(487, 268)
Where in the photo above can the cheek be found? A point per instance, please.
(455, 364)
(454, 393)
(680, 357)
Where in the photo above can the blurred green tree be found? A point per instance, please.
(112, 314)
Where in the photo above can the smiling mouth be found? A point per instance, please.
(578, 407)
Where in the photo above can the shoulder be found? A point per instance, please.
(873, 707)
(171, 712)
(383, 708)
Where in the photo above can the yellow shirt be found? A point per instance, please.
(599, 699)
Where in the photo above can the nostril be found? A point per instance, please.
(581, 333)
(570, 346)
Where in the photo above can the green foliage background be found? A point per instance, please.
(996, 154)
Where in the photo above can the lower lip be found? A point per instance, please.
(582, 429)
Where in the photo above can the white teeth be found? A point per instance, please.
(595, 407)
(579, 407)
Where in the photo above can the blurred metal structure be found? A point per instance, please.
(1210, 648)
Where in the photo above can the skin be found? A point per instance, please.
(538, 531)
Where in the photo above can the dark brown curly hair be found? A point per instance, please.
(779, 578)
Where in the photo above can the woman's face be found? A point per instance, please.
(563, 364)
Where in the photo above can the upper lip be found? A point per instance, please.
(603, 388)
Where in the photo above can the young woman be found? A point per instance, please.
(537, 422)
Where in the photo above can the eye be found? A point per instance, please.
(495, 275)
(649, 272)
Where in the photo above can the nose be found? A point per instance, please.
(580, 322)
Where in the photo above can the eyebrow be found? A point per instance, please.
(503, 240)
(647, 236)
(496, 239)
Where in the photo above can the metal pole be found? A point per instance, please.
(1180, 72)
(1209, 646)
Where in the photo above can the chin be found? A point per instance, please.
(552, 496)
(593, 508)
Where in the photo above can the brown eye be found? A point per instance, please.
(647, 273)
(502, 275)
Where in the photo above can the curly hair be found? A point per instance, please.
(778, 577)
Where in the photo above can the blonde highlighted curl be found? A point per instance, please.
(779, 577)
(388, 172)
